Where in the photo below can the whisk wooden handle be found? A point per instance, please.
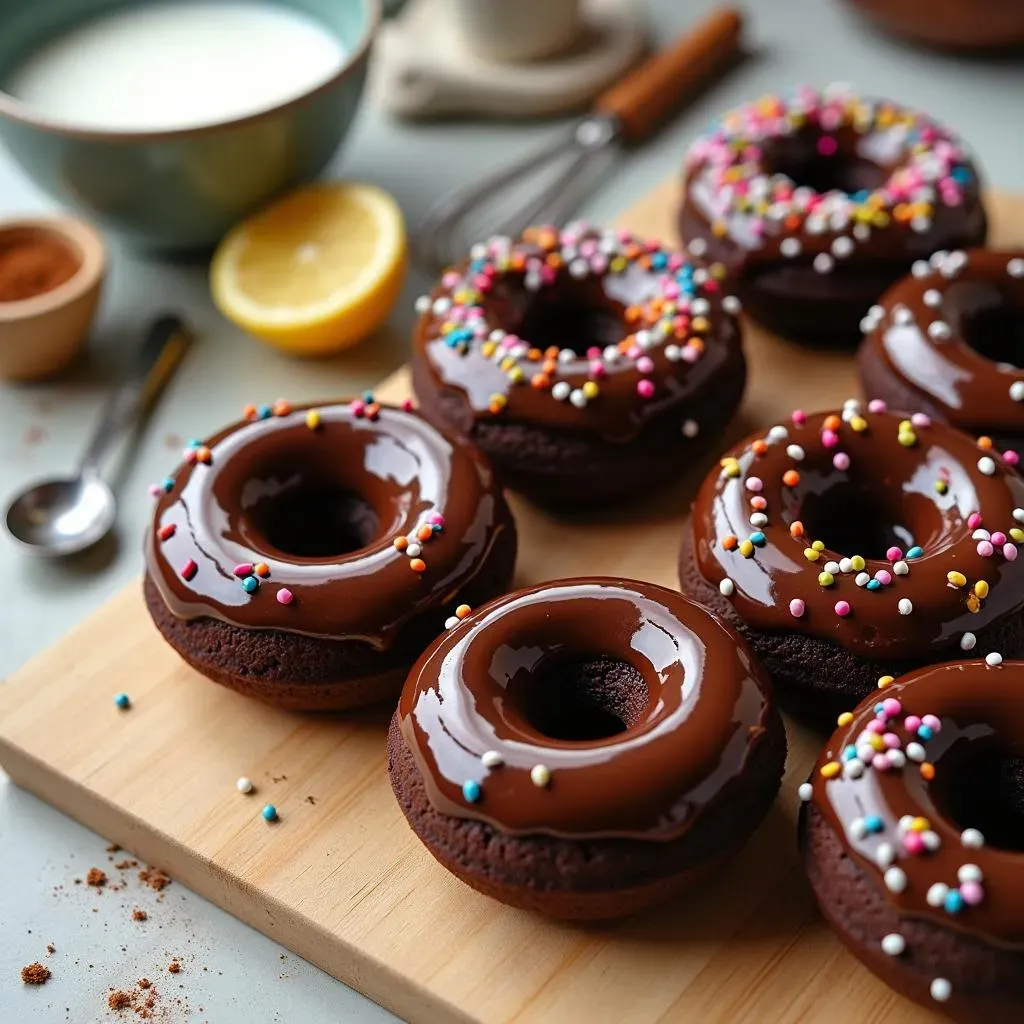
(644, 98)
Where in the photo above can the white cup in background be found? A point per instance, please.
(516, 30)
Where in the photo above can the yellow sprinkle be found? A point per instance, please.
(746, 548)
(313, 419)
(732, 469)
(717, 271)
(488, 348)
(499, 400)
(858, 423)
(590, 389)
(845, 718)
(920, 825)
(1017, 534)
(617, 264)
(973, 603)
(818, 545)
(981, 588)
(876, 741)
(700, 323)
(857, 563)
(907, 438)
(826, 579)
(957, 579)
(830, 770)
(507, 363)
(884, 681)
(516, 375)
(811, 555)
(941, 486)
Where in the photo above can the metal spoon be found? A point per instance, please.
(64, 516)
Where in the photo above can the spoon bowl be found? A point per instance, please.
(61, 517)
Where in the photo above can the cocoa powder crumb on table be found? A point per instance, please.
(96, 878)
(119, 1000)
(145, 983)
(174, 967)
(154, 878)
(51, 948)
(35, 974)
(139, 915)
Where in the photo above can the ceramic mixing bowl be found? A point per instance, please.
(181, 188)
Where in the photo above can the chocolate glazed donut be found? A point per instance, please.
(847, 547)
(586, 747)
(951, 24)
(307, 556)
(818, 202)
(912, 833)
(949, 339)
(588, 365)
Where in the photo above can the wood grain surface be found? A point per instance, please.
(341, 880)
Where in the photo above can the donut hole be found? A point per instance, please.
(854, 519)
(317, 520)
(582, 698)
(985, 790)
(824, 162)
(988, 319)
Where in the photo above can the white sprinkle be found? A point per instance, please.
(884, 855)
(854, 768)
(845, 565)
(937, 894)
(858, 828)
(540, 775)
(861, 231)
(1018, 515)
(823, 263)
(972, 838)
(867, 325)
(451, 622)
(422, 304)
(876, 311)
(1015, 268)
(698, 247)
(902, 316)
(566, 355)
(939, 257)
(905, 822)
(896, 758)
(491, 759)
(560, 391)
(673, 353)
(900, 568)
(795, 452)
(758, 519)
(932, 298)
(805, 792)
(895, 880)
(931, 840)
(993, 658)
(842, 247)
(832, 567)
(732, 305)
(906, 606)
(866, 752)
(921, 268)
(941, 990)
(921, 224)
(244, 785)
(577, 398)
(691, 428)
(893, 944)
(916, 752)
(441, 305)
(939, 330)
(1017, 390)
(967, 642)
(980, 534)
(778, 433)
(862, 579)
(987, 465)
(726, 587)
(969, 873)
(414, 550)
(790, 247)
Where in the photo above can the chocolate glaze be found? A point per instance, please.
(706, 706)
(951, 24)
(918, 329)
(897, 481)
(398, 465)
(580, 313)
(979, 707)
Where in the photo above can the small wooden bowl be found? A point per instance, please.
(39, 336)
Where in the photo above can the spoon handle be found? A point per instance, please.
(167, 340)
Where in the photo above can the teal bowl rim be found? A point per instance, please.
(22, 112)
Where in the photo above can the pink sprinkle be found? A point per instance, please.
(758, 502)
(884, 577)
(190, 455)
(998, 538)
(285, 596)
(829, 438)
(645, 364)
(842, 609)
(972, 892)
(155, 490)
(913, 842)
(911, 723)
(450, 280)
(891, 740)
(1010, 457)
(407, 405)
(919, 419)
(358, 408)
(799, 417)
(894, 554)
(974, 521)
(932, 722)
(1010, 552)
(985, 549)
(797, 607)
(645, 389)
(841, 460)
(690, 354)
(597, 369)
(827, 145)
(877, 405)
(189, 569)
(892, 707)
(243, 569)
(880, 763)
(876, 725)
(435, 518)
(593, 352)
(755, 484)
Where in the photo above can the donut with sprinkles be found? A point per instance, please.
(949, 339)
(855, 545)
(586, 363)
(912, 834)
(819, 201)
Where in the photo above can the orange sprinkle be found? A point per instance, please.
(985, 442)
(518, 261)
(249, 412)
(759, 447)
(796, 528)
(791, 478)
(261, 569)
(372, 410)
(553, 259)
(927, 771)
(424, 533)
(401, 543)
(540, 381)
(551, 352)
(632, 314)
(534, 355)
(282, 407)
(729, 542)
(832, 423)
(792, 222)
(417, 565)
(549, 365)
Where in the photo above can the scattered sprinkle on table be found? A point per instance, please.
(123, 701)
(270, 813)
(244, 785)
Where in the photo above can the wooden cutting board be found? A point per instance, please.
(341, 880)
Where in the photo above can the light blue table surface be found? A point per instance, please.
(232, 973)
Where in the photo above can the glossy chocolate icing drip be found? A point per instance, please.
(884, 478)
(979, 708)
(706, 706)
(923, 329)
(398, 468)
(575, 313)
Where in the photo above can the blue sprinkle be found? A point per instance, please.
(861, 196)
(168, 484)
(879, 709)
(269, 813)
(265, 412)
(659, 261)
(436, 527)
(961, 175)
(367, 396)
(250, 584)
(873, 585)
(924, 732)
(915, 552)
(873, 823)
(849, 753)
(954, 902)
(471, 790)
(758, 538)
(195, 442)
(123, 701)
